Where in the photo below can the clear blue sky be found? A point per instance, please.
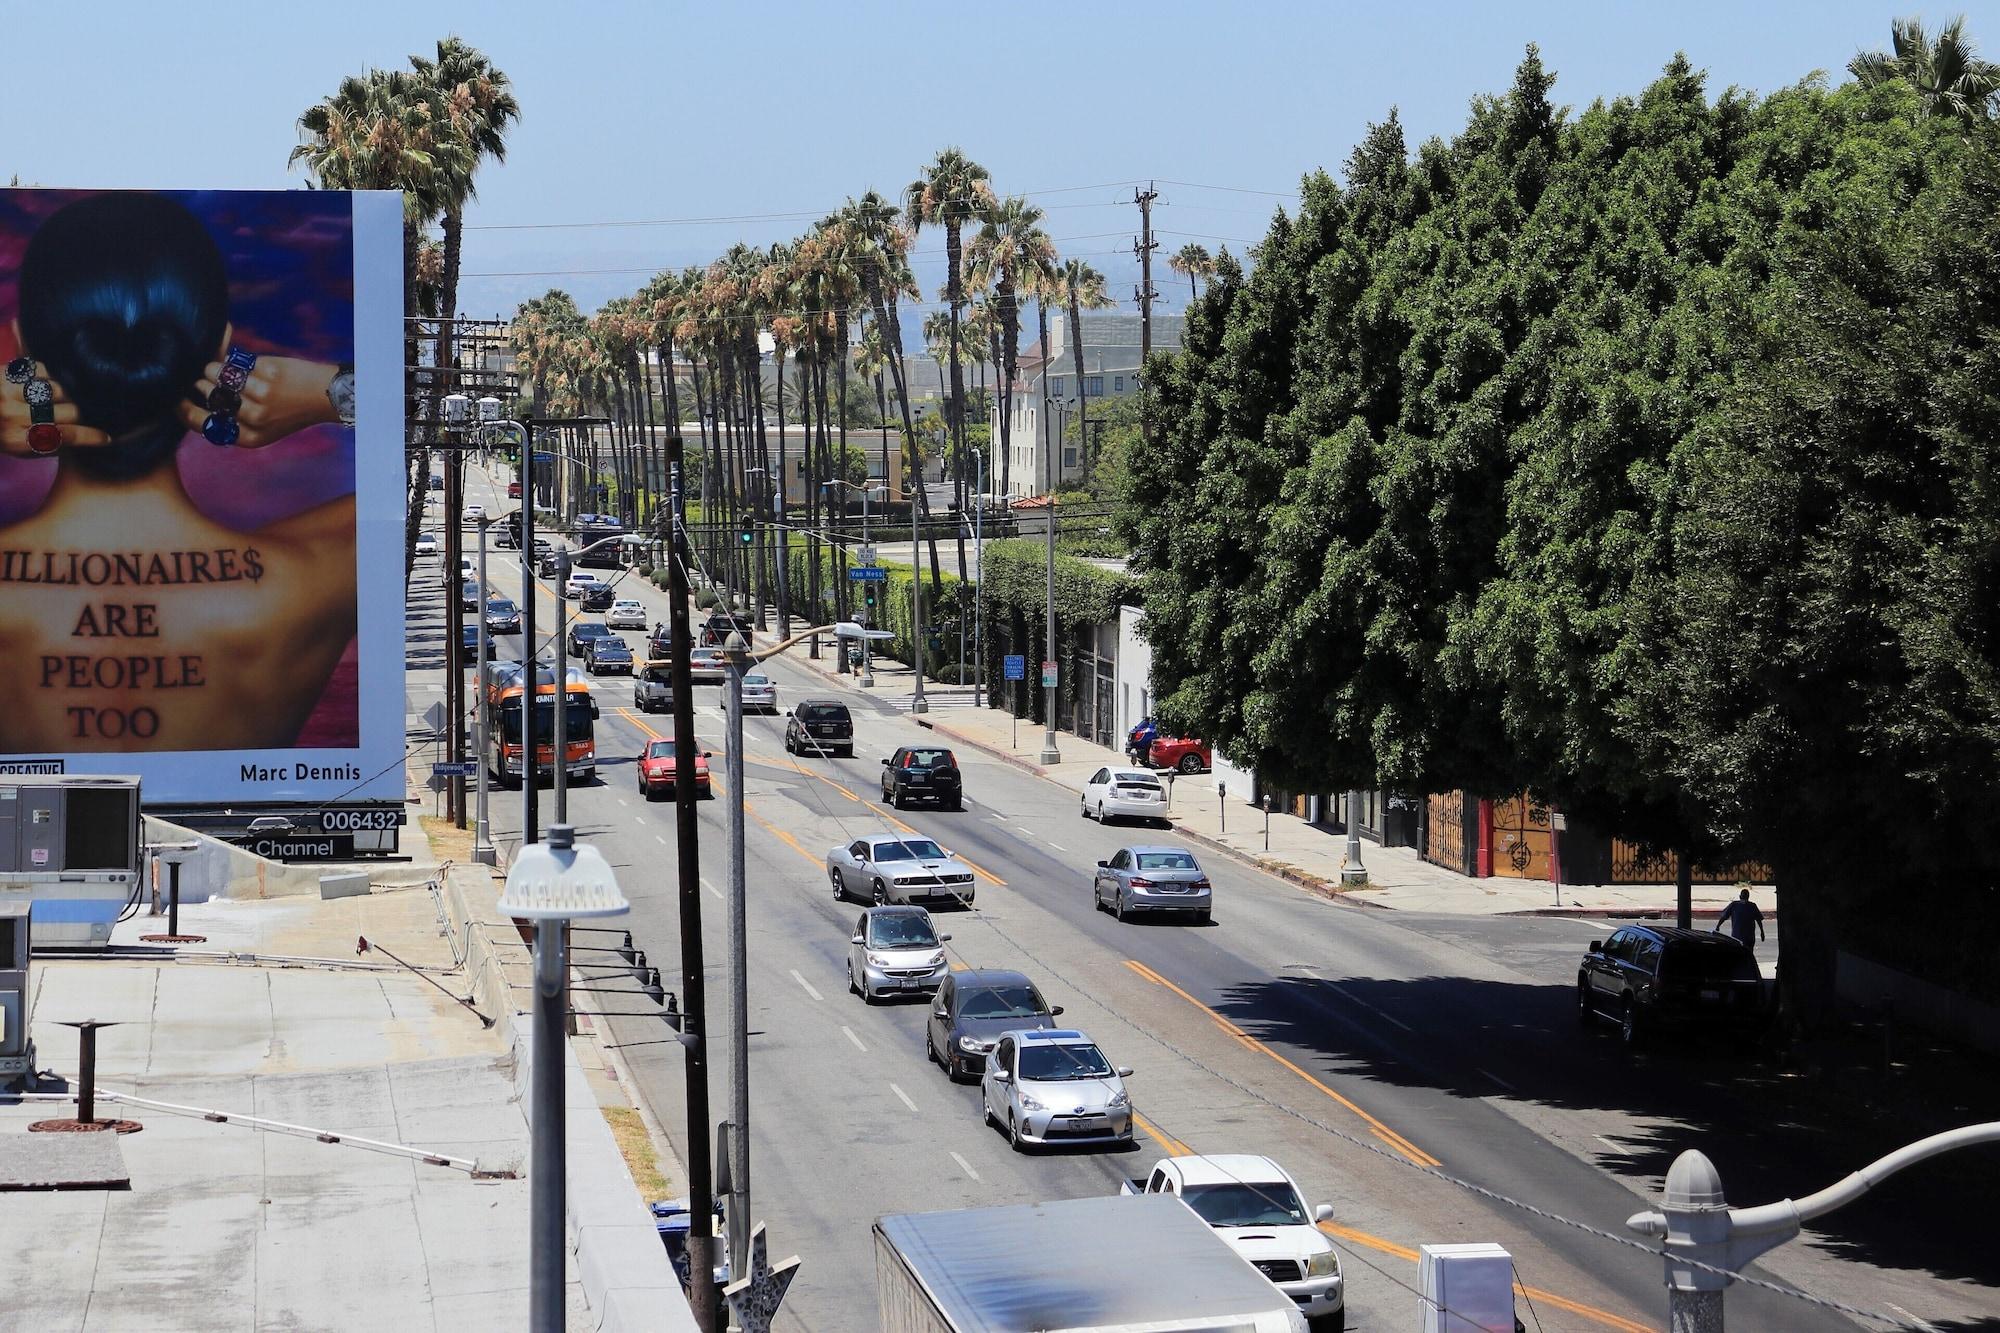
(654, 110)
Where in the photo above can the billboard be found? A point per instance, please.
(201, 487)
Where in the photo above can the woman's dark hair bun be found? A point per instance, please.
(124, 299)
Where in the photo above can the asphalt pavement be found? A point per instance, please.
(1375, 1054)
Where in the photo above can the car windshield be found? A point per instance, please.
(1262, 1204)
(901, 931)
(1130, 778)
(1003, 1002)
(908, 849)
(931, 759)
(707, 654)
(660, 750)
(500, 606)
(756, 678)
(612, 648)
(1717, 962)
(657, 675)
(823, 712)
(1048, 1064)
(1166, 861)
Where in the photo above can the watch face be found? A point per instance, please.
(340, 393)
(39, 393)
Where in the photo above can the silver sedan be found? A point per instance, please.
(898, 868)
(1153, 879)
(760, 691)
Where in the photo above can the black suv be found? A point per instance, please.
(819, 726)
(922, 773)
(1649, 978)
(716, 629)
(596, 597)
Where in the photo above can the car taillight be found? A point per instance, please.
(1140, 882)
(1201, 883)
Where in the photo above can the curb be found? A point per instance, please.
(1025, 765)
(1626, 913)
(1318, 886)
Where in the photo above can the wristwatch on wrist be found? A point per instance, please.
(340, 393)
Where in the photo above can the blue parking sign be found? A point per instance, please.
(1016, 666)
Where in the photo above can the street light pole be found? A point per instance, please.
(1050, 754)
(917, 607)
(978, 588)
(482, 830)
(548, 884)
(560, 722)
(735, 660)
(1351, 870)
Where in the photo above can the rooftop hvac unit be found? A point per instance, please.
(71, 845)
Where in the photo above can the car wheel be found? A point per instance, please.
(1014, 1134)
(1096, 896)
(1631, 1028)
(957, 804)
(986, 1107)
(852, 989)
(839, 885)
(1084, 808)
(881, 894)
(1190, 763)
(788, 742)
(1118, 907)
(930, 1047)
(896, 798)
(1586, 1016)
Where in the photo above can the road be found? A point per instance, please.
(1373, 1053)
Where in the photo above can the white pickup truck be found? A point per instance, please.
(1255, 1205)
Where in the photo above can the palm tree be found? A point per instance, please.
(479, 105)
(389, 130)
(1192, 261)
(1011, 254)
(881, 250)
(951, 192)
(1081, 288)
(1949, 77)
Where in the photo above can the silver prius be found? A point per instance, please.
(898, 868)
(895, 951)
(1054, 1086)
(1153, 879)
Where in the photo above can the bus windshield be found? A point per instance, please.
(577, 725)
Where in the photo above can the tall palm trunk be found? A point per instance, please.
(783, 531)
(840, 352)
(957, 298)
(1010, 335)
(753, 372)
(420, 458)
(892, 325)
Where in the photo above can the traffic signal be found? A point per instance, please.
(744, 533)
(868, 595)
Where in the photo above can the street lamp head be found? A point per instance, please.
(457, 408)
(489, 409)
(557, 880)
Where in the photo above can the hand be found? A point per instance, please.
(283, 395)
(14, 420)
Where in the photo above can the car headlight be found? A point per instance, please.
(1323, 1265)
(1119, 1101)
(877, 960)
(1028, 1103)
(974, 1045)
(935, 960)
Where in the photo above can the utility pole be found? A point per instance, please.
(694, 1008)
(454, 625)
(737, 660)
(1145, 295)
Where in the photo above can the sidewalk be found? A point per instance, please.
(1303, 853)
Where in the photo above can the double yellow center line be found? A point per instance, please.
(1397, 1142)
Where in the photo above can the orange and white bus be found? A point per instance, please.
(505, 692)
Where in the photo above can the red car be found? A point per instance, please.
(1189, 756)
(656, 771)
(513, 490)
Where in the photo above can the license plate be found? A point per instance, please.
(909, 983)
(918, 779)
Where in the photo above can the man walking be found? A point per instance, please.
(1743, 920)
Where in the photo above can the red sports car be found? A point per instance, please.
(656, 771)
(513, 490)
(1189, 756)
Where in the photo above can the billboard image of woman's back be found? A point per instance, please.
(200, 472)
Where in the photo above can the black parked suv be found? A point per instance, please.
(922, 773)
(819, 726)
(1652, 978)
